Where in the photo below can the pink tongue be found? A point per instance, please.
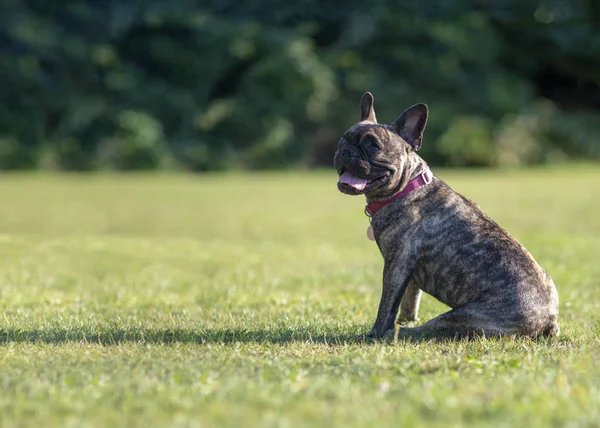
(350, 180)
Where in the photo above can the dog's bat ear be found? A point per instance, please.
(367, 112)
(411, 124)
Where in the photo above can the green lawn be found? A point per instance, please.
(174, 300)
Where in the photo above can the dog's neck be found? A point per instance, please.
(414, 166)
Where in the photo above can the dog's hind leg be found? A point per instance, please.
(470, 321)
(409, 307)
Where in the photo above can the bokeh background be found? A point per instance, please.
(255, 84)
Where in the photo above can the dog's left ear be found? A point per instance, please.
(411, 124)
(367, 112)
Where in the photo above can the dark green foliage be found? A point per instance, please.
(265, 84)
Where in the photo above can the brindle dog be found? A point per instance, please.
(437, 241)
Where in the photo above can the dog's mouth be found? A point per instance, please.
(352, 184)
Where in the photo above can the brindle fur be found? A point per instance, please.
(440, 242)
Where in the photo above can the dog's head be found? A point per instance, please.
(371, 159)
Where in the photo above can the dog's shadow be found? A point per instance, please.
(118, 336)
(121, 335)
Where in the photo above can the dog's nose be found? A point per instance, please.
(350, 152)
(346, 157)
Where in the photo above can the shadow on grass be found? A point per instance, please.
(120, 335)
(172, 336)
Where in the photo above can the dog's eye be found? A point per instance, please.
(372, 145)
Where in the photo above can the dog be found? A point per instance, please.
(436, 241)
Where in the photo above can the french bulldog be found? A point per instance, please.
(436, 241)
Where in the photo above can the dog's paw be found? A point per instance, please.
(370, 335)
(385, 335)
(407, 318)
(374, 335)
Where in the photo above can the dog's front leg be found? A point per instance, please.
(395, 280)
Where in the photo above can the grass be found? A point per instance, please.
(236, 300)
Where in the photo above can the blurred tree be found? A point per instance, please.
(268, 84)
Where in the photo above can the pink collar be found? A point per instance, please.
(421, 180)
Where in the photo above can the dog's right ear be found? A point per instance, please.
(367, 112)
